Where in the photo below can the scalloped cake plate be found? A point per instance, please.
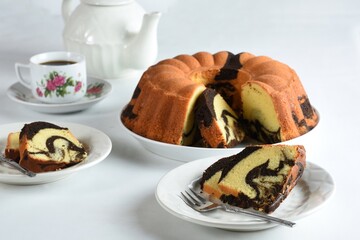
(97, 143)
(312, 191)
(97, 90)
(188, 153)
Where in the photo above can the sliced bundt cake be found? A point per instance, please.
(267, 96)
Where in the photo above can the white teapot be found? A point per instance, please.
(117, 37)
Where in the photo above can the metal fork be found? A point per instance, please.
(200, 204)
(17, 166)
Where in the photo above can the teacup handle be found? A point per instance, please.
(23, 81)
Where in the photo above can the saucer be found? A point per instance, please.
(97, 90)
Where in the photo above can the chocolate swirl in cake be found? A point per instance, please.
(33, 128)
(225, 89)
(228, 162)
(71, 146)
(231, 67)
(215, 117)
(257, 131)
(267, 198)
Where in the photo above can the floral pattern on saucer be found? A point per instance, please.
(97, 90)
(94, 90)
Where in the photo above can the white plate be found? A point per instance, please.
(187, 153)
(312, 191)
(97, 90)
(98, 144)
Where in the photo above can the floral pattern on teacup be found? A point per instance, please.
(57, 83)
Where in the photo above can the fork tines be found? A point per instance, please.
(192, 198)
(202, 199)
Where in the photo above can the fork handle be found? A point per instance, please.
(17, 166)
(262, 216)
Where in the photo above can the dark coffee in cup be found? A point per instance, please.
(58, 63)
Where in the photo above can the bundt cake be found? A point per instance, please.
(217, 122)
(267, 96)
(47, 147)
(12, 147)
(260, 177)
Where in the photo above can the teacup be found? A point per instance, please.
(55, 77)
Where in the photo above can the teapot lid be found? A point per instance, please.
(106, 2)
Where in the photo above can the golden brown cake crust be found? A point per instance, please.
(161, 106)
(39, 166)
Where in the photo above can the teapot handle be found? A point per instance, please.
(66, 9)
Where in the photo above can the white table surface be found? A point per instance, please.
(115, 199)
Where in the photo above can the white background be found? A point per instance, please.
(115, 199)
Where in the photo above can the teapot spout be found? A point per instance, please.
(143, 50)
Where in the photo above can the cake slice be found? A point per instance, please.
(270, 116)
(47, 147)
(12, 147)
(260, 177)
(218, 123)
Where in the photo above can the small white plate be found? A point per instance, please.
(188, 153)
(314, 188)
(98, 144)
(97, 90)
